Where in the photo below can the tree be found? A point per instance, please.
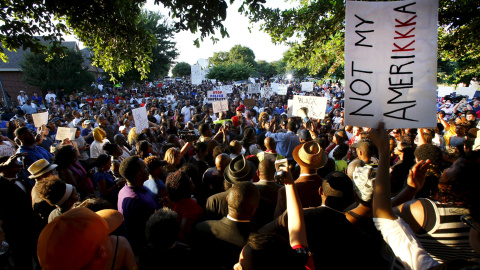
(265, 69)
(237, 53)
(64, 70)
(230, 72)
(315, 33)
(109, 27)
(182, 69)
(162, 47)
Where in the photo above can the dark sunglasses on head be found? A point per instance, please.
(468, 220)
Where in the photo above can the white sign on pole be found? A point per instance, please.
(290, 107)
(282, 89)
(220, 106)
(140, 118)
(274, 87)
(391, 63)
(196, 74)
(254, 88)
(267, 92)
(216, 95)
(444, 91)
(65, 133)
(40, 119)
(315, 106)
(466, 91)
(307, 86)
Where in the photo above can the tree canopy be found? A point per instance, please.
(182, 69)
(109, 27)
(64, 70)
(237, 53)
(230, 72)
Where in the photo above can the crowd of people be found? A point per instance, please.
(247, 188)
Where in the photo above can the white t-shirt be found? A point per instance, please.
(187, 112)
(48, 96)
(96, 148)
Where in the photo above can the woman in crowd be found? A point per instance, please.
(105, 181)
(70, 171)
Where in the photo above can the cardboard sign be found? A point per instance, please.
(444, 91)
(249, 102)
(220, 106)
(391, 63)
(196, 74)
(216, 95)
(254, 88)
(466, 91)
(40, 119)
(282, 89)
(140, 118)
(65, 133)
(315, 106)
(307, 86)
(266, 92)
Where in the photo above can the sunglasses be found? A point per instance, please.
(468, 220)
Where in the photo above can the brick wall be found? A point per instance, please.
(12, 81)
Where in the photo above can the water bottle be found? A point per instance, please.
(4, 247)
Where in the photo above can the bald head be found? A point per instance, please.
(266, 170)
(270, 143)
(222, 161)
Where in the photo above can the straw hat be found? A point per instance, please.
(40, 167)
(310, 155)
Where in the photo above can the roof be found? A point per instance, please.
(15, 58)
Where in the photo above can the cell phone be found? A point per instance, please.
(281, 166)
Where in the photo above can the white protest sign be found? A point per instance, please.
(196, 74)
(307, 86)
(266, 92)
(391, 63)
(274, 87)
(227, 88)
(220, 106)
(290, 107)
(65, 133)
(252, 80)
(444, 91)
(282, 89)
(466, 91)
(216, 95)
(140, 118)
(316, 106)
(254, 88)
(40, 119)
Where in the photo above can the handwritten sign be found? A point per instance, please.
(266, 92)
(249, 102)
(444, 91)
(140, 118)
(282, 89)
(220, 106)
(274, 87)
(315, 106)
(307, 86)
(40, 119)
(227, 89)
(466, 91)
(216, 95)
(391, 63)
(196, 76)
(254, 88)
(65, 133)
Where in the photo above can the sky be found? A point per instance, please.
(237, 26)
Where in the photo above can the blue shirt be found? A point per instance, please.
(156, 187)
(34, 153)
(38, 99)
(286, 142)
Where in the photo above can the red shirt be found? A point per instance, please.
(90, 102)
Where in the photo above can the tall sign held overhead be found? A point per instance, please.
(254, 88)
(391, 63)
(196, 74)
(315, 106)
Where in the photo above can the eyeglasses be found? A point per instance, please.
(468, 220)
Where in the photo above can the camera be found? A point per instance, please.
(280, 166)
(188, 136)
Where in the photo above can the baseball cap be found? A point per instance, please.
(241, 108)
(72, 239)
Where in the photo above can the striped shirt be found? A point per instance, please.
(445, 237)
